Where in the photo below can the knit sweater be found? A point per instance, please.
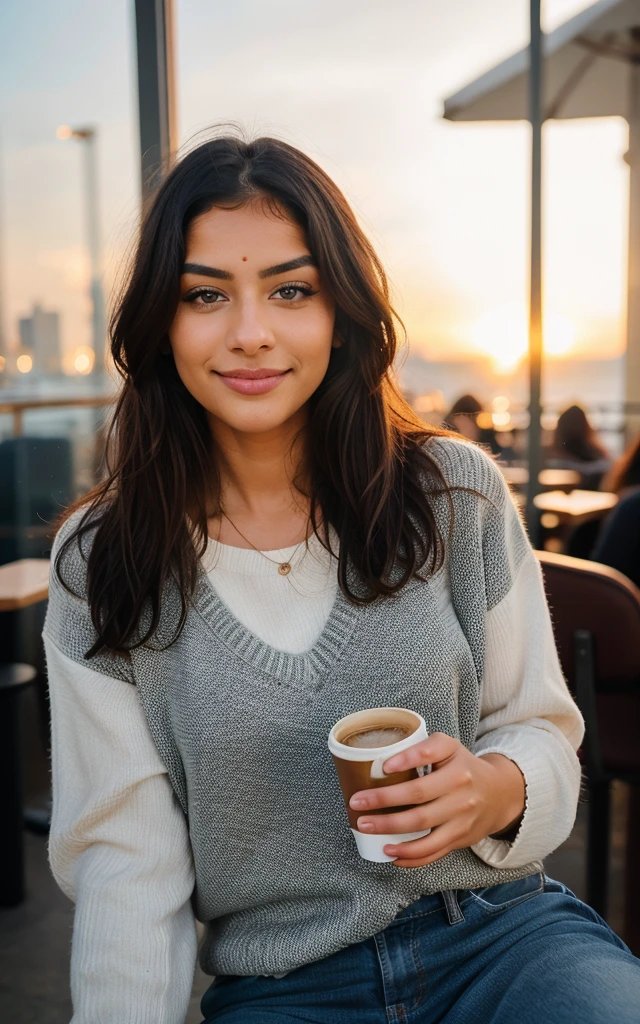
(213, 768)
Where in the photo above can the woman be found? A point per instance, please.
(279, 542)
(463, 417)
(576, 446)
(466, 418)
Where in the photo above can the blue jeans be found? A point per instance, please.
(525, 952)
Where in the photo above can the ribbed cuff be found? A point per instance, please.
(535, 838)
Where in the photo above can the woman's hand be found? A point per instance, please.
(462, 800)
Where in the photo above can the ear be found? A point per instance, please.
(337, 341)
(165, 347)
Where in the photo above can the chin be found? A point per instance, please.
(251, 425)
(253, 420)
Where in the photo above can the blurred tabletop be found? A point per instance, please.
(577, 507)
(551, 478)
(23, 583)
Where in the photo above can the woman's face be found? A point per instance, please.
(253, 331)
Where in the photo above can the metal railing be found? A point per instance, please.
(17, 407)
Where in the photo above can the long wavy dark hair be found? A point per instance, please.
(367, 464)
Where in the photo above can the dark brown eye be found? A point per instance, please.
(203, 297)
(291, 292)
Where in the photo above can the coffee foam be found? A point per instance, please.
(383, 737)
(373, 719)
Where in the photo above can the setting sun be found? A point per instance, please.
(502, 333)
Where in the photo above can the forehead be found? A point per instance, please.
(251, 230)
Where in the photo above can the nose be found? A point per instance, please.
(248, 331)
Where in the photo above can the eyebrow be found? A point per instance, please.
(283, 268)
(203, 271)
(224, 275)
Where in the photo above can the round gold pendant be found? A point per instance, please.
(284, 569)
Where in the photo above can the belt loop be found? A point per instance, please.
(454, 912)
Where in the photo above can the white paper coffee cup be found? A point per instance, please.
(361, 768)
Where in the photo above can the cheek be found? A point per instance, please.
(313, 343)
(191, 337)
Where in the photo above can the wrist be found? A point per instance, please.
(508, 790)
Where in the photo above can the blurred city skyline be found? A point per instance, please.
(359, 86)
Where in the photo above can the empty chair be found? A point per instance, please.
(596, 616)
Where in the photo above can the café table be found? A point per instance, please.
(577, 507)
(22, 583)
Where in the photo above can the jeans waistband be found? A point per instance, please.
(447, 899)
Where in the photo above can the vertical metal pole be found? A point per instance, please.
(156, 89)
(632, 367)
(98, 326)
(535, 296)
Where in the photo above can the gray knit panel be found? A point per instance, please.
(489, 530)
(68, 622)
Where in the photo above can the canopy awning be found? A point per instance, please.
(588, 63)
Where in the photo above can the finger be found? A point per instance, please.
(399, 863)
(435, 749)
(416, 791)
(437, 844)
(430, 815)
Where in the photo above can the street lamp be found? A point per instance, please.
(98, 327)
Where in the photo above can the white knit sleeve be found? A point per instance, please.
(528, 714)
(119, 848)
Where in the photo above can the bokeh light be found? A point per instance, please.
(24, 363)
(84, 358)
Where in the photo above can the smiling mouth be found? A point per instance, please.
(253, 382)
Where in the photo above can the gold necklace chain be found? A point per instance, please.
(284, 568)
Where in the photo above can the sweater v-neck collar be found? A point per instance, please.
(306, 669)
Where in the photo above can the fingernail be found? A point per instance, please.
(390, 765)
(365, 826)
(390, 851)
(357, 803)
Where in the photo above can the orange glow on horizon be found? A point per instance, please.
(502, 333)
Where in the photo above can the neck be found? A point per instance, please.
(260, 473)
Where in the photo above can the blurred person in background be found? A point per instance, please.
(576, 446)
(618, 544)
(463, 417)
(468, 417)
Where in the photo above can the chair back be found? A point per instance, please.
(587, 595)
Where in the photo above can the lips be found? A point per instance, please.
(253, 382)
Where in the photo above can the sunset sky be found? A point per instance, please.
(359, 85)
